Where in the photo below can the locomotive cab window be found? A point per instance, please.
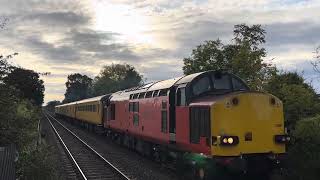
(238, 85)
(181, 97)
(221, 81)
(201, 85)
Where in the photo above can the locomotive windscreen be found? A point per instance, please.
(217, 82)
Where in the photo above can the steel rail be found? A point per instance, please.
(67, 149)
(89, 147)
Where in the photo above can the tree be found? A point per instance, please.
(78, 87)
(51, 104)
(28, 83)
(243, 57)
(299, 98)
(5, 67)
(116, 77)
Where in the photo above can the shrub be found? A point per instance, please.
(304, 152)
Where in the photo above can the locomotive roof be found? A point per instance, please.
(164, 84)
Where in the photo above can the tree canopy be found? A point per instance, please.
(244, 57)
(28, 83)
(116, 77)
(51, 104)
(299, 98)
(78, 87)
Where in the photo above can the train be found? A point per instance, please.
(209, 120)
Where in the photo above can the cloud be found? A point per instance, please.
(61, 36)
(62, 18)
(302, 33)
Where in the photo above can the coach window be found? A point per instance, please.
(155, 93)
(181, 97)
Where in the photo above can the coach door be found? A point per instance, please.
(104, 108)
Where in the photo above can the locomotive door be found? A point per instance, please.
(172, 113)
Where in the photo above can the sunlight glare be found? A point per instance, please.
(123, 20)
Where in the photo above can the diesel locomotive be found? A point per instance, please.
(210, 119)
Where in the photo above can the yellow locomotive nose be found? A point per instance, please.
(246, 123)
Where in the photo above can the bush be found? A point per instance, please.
(36, 163)
(304, 152)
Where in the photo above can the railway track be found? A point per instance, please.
(88, 163)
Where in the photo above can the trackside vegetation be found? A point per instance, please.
(20, 112)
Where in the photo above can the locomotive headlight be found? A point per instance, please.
(225, 140)
(230, 140)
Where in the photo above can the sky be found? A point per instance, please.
(73, 36)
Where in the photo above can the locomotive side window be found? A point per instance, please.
(130, 107)
(135, 96)
(141, 95)
(155, 93)
(181, 97)
(136, 120)
(136, 107)
(201, 86)
(149, 94)
(163, 92)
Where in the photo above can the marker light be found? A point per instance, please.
(282, 139)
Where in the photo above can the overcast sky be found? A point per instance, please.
(69, 36)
